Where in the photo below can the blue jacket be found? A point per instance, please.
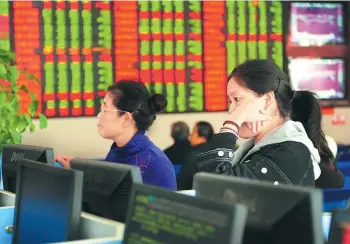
(156, 168)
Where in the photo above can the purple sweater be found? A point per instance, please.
(156, 168)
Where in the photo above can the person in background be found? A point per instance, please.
(330, 177)
(126, 114)
(202, 133)
(181, 147)
(311, 116)
(280, 149)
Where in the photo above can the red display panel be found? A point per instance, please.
(184, 50)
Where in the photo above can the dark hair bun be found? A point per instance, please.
(158, 102)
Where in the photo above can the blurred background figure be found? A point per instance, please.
(331, 176)
(181, 147)
(202, 133)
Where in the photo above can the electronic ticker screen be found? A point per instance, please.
(316, 24)
(166, 218)
(325, 77)
(4, 26)
(182, 49)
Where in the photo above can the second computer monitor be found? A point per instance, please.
(14, 152)
(48, 203)
(107, 187)
(276, 213)
(157, 215)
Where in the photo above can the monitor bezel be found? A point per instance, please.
(314, 195)
(335, 228)
(238, 213)
(345, 24)
(87, 166)
(47, 151)
(324, 101)
(96, 164)
(329, 51)
(74, 198)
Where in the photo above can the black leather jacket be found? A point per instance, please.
(281, 163)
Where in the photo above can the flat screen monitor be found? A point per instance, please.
(324, 77)
(107, 187)
(316, 24)
(48, 203)
(340, 217)
(14, 152)
(276, 213)
(157, 215)
(326, 224)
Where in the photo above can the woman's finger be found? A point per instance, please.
(258, 126)
(253, 127)
(249, 125)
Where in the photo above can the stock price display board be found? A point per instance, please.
(184, 50)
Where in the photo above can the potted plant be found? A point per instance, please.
(13, 120)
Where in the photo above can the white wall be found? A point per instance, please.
(79, 136)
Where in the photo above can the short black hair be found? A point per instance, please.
(132, 96)
(180, 131)
(204, 129)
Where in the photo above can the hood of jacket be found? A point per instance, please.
(289, 131)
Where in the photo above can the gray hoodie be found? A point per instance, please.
(289, 131)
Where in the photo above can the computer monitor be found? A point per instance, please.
(107, 187)
(13, 152)
(326, 224)
(316, 24)
(157, 215)
(324, 77)
(340, 217)
(276, 213)
(48, 203)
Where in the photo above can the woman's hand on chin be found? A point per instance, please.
(248, 111)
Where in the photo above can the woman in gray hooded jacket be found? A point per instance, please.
(279, 148)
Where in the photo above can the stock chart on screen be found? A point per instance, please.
(325, 77)
(316, 24)
(184, 50)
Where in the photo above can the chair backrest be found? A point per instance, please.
(177, 168)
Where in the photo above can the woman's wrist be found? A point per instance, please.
(231, 126)
(229, 129)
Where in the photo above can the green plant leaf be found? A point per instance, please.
(31, 76)
(24, 88)
(13, 70)
(16, 136)
(7, 55)
(33, 108)
(3, 71)
(28, 75)
(3, 97)
(32, 96)
(12, 123)
(14, 105)
(42, 121)
(22, 123)
(32, 128)
(30, 123)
